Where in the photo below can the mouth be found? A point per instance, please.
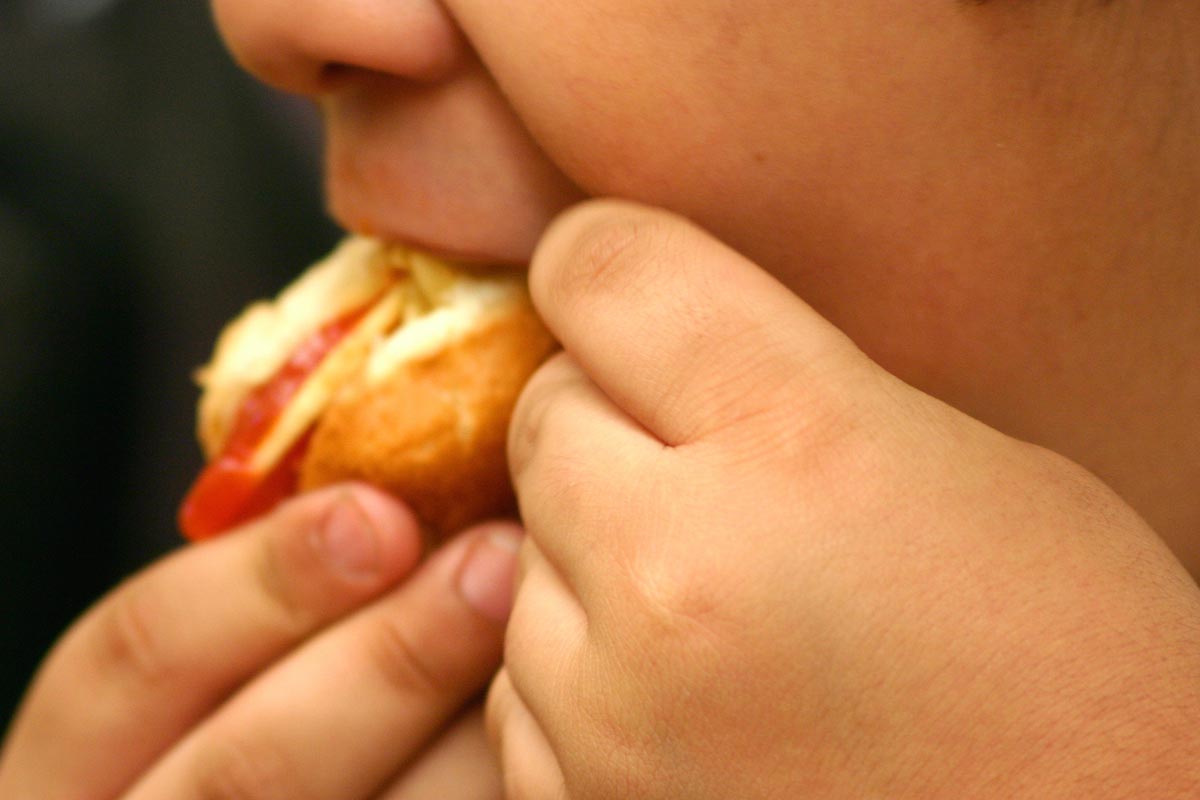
(442, 227)
(403, 238)
(404, 179)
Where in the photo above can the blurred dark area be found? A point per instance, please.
(148, 191)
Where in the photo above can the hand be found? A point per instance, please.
(757, 565)
(280, 661)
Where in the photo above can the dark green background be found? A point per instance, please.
(148, 190)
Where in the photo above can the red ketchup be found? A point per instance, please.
(228, 492)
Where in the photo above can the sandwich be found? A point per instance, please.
(381, 364)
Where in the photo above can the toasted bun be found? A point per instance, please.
(416, 399)
(433, 430)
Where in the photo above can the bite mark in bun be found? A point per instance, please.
(381, 364)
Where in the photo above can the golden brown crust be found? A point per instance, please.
(433, 432)
(255, 344)
(415, 399)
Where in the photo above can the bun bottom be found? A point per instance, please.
(432, 432)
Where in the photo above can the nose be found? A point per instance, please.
(309, 46)
(421, 146)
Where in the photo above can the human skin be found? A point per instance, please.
(831, 558)
(760, 566)
(996, 203)
(222, 670)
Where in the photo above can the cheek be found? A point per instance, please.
(669, 140)
(613, 136)
(828, 141)
(628, 98)
(733, 114)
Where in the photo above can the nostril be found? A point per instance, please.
(335, 73)
(313, 46)
(337, 76)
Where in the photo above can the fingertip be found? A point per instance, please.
(574, 220)
(496, 709)
(486, 575)
(567, 224)
(579, 246)
(356, 533)
(528, 762)
(397, 529)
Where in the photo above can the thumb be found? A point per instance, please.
(685, 335)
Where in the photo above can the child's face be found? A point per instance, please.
(806, 133)
(888, 160)
(956, 185)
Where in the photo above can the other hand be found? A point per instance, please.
(307, 655)
(758, 565)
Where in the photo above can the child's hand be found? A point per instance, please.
(757, 565)
(276, 663)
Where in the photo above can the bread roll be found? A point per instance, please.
(414, 396)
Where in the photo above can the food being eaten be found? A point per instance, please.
(380, 364)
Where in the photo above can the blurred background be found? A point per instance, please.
(148, 190)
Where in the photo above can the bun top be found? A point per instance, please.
(411, 304)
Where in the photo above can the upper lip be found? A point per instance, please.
(434, 248)
(403, 229)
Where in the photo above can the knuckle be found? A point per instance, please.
(727, 397)
(403, 663)
(515, 775)
(520, 783)
(525, 774)
(525, 427)
(689, 620)
(561, 480)
(807, 426)
(277, 571)
(514, 784)
(566, 486)
(1074, 490)
(536, 411)
(528, 557)
(133, 637)
(495, 711)
(677, 600)
(233, 767)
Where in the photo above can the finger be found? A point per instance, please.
(530, 767)
(546, 639)
(458, 766)
(547, 616)
(165, 648)
(342, 714)
(680, 331)
(583, 471)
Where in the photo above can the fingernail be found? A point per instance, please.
(486, 579)
(350, 540)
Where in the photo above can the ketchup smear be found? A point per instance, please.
(228, 492)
